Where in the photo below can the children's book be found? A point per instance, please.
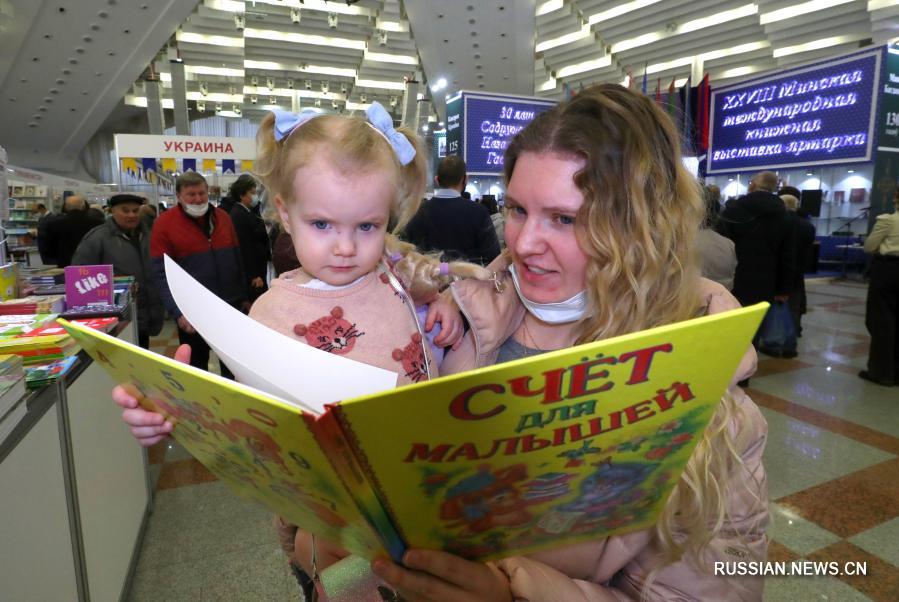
(556, 449)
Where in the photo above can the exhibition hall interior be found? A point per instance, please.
(140, 211)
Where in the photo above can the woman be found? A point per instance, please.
(601, 219)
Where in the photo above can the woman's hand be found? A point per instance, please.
(149, 428)
(443, 309)
(432, 575)
(326, 553)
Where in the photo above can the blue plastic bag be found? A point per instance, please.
(777, 334)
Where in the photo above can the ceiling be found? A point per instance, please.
(67, 68)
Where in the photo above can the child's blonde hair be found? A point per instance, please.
(353, 145)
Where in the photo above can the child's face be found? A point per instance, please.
(338, 221)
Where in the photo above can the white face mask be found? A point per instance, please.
(561, 312)
(195, 210)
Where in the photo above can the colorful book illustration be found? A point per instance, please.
(89, 285)
(538, 453)
(38, 376)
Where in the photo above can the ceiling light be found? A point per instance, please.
(599, 63)
(218, 107)
(239, 21)
(817, 44)
(382, 38)
(393, 100)
(201, 107)
(850, 171)
(269, 83)
(796, 10)
(290, 84)
(619, 10)
(343, 88)
(440, 124)
(334, 104)
(568, 38)
(363, 98)
(253, 100)
(295, 15)
(254, 81)
(373, 83)
(272, 100)
(308, 84)
(197, 38)
(383, 57)
(318, 102)
(302, 38)
(325, 87)
(424, 128)
(549, 6)
(204, 88)
(332, 20)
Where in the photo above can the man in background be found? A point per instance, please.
(449, 223)
(124, 242)
(64, 234)
(202, 240)
(765, 242)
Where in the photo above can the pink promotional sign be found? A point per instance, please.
(89, 285)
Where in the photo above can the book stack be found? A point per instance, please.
(44, 374)
(18, 324)
(34, 304)
(43, 277)
(12, 392)
(53, 328)
(40, 349)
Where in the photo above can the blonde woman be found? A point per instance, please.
(601, 219)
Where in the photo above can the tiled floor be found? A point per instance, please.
(832, 461)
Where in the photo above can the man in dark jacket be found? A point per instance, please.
(805, 256)
(201, 239)
(251, 233)
(764, 239)
(64, 233)
(449, 223)
(124, 242)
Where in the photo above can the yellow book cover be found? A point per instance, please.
(546, 451)
(9, 275)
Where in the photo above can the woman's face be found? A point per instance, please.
(542, 203)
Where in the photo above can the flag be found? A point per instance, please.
(209, 165)
(659, 91)
(130, 166)
(630, 78)
(246, 165)
(703, 114)
(169, 166)
(189, 165)
(580, 87)
(687, 118)
(228, 166)
(148, 165)
(671, 99)
(643, 87)
(566, 91)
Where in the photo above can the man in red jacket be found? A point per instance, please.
(202, 240)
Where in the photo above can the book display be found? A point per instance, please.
(21, 223)
(545, 451)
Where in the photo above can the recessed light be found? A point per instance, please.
(73, 61)
(62, 9)
(502, 35)
(66, 71)
(54, 91)
(850, 171)
(446, 41)
(42, 109)
(474, 34)
(79, 50)
(126, 31)
(451, 62)
(95, 27)
(475, 45)
(35, 59)
(48, 99)
(440, 16)
(110, 53)
(23, 81)
(33, 124)
(470, 7)
(102, 14)
(479, 67)
(472, 21)
(48, 36)
(12, 99)
(87, 38)
(480, 85)
(477, 55)
(502, 7)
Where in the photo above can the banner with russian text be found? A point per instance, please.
(185, 147)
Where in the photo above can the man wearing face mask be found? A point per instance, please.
(251, 234)
(202, 240)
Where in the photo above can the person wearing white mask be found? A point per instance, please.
(251, 233)
(202, 240)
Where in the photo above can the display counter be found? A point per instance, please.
(75, 491)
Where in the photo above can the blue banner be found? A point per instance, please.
(815, 115)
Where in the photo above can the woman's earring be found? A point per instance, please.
(497, 284)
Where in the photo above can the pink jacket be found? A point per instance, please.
(617, 568)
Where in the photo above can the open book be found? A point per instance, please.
(559, 448)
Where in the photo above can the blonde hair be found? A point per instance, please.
(354, 146)
(790, 202)
(637, 227)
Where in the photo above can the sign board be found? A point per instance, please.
(89, 285)
(184, 147)
(31, 176)
(820, 114)
(488, 123)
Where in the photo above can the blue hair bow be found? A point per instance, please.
(381, 120)
(286, 122)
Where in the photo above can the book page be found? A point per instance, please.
(267, 360)
(260, 446)
(555, 449)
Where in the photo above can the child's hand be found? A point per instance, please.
(444, 310)
(147, 427)
(439, 576)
